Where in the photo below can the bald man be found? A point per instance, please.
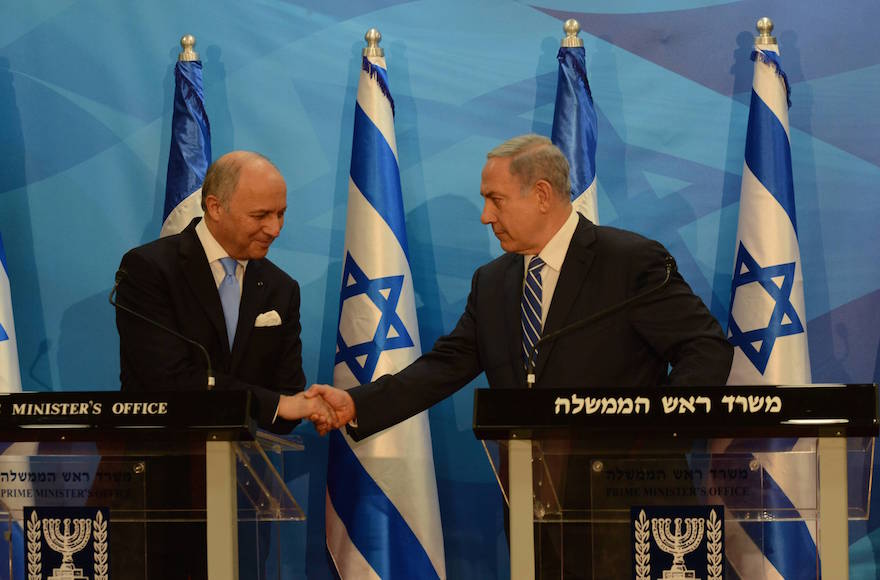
(250, 329)
(213, 284)
(254, 344)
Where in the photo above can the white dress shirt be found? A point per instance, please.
(214, 251)
(553, 255)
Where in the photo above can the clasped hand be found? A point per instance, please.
(326, 407)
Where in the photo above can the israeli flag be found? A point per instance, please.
(190, 153)
(768, 323)
(575, 128)
(383, 518)
(10, 382)
(10, 377)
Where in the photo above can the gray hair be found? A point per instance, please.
(533, 157)
(221, 179)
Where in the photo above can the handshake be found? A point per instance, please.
(325, 406)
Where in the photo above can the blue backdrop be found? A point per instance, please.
(85, 119)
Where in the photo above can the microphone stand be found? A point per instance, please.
(531, 362)
(120, 274)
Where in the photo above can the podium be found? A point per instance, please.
(94, 481)
(601, 461)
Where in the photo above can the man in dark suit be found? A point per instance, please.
(253, 345)
(559, 268)
(213, 284)
(584, 268)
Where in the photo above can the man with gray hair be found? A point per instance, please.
(558, 268)
(575, 269)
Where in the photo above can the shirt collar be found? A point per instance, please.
(554, 252)
(213, 250)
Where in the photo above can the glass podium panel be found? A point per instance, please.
(594, 500)
(147, 498)
(262, 490)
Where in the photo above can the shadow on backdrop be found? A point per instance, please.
(88, 346)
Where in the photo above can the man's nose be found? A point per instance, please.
(274, 225)
(487, 216)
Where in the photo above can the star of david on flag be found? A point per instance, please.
(390, 332)
(777, 281)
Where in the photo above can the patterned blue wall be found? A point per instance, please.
(85, 114)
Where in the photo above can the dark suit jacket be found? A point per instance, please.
(170, 281)
(634, 347)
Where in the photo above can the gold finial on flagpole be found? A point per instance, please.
(188, 41)
(373, 38)
(765, 27)
(571, 27)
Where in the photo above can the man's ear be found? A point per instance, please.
(212, 207)
(544, 191)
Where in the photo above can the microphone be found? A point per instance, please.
(669, 263)
(121, 273)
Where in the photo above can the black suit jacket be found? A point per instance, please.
(170, 281)
(603, 266)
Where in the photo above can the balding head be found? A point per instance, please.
(244, 198)
(222, 176)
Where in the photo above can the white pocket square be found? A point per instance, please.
(270, 318)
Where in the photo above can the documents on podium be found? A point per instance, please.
(108, 465)
(653, 474)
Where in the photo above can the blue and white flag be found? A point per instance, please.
(10, 382)
(768, 324)
(10, 377)
(190, 153)
(383, 517)
(575, 128)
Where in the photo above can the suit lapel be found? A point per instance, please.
(198, 275)
(513, 282)
(572, 278)
(252, 298)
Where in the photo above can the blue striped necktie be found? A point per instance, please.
(531, 309)
(230, 297)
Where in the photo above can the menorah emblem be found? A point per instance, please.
(67, 543)
(678, 543)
